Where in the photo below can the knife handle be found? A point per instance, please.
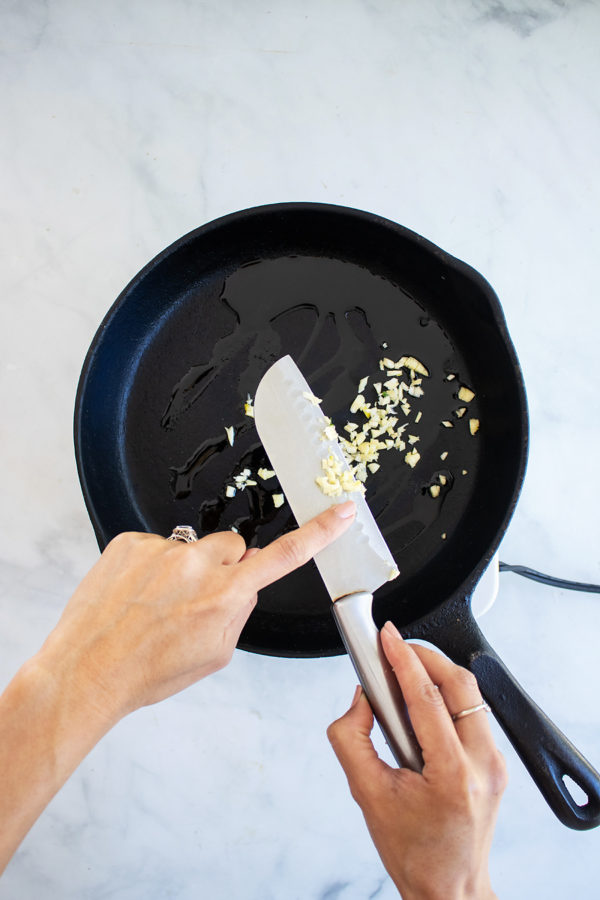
(354, 618)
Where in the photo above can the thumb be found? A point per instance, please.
(350, 738)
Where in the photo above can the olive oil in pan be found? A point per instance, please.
(336, 320)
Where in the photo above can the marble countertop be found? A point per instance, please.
(476, 124)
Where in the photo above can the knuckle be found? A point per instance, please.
(464, 678)
(126, 540)
(238, 543)
(189, 566)
(497, 774)
(430, 694)
(292, 550)
(335, 733)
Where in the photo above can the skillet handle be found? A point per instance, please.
(544, 750)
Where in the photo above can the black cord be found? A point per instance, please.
(550, 579)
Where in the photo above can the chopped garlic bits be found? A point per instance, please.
(412, 458)
(265, 474)
(409, 362)
(357, 403)
(363, 442)
(311, 397)
(278, 500)
(383, 411)
(249, 407)
(337, 479)
(465, 394)
(230, 432)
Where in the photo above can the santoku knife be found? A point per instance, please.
(291, 426)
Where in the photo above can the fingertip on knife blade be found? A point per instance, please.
(345, 510)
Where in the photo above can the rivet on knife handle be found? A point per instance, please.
(353, 615)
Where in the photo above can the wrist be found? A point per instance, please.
(63, 678)
(444, 893)
(48, 726)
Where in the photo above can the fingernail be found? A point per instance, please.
(345, 510)
(357, 694)
(391, 629)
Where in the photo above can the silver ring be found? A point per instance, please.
(183, 533)
(472, 709)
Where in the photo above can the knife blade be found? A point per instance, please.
(291, 426)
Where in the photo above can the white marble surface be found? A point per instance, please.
(125, 125)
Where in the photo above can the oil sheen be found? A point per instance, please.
(337, 320)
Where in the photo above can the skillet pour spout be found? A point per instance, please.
(547, 754)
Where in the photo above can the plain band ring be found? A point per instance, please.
(183, 533)
(472, 709)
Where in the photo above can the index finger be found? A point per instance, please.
(292, 550)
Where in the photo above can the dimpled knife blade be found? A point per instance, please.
(291, 426)
(291, 429)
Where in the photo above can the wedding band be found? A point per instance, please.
(183, 533)
(472, 709)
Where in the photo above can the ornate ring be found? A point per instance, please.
(472, 709)
(183, 533)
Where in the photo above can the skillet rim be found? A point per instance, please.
(467, 585)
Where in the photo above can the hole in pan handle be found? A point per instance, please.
(547, 754)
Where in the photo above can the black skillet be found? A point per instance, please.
(190, 337)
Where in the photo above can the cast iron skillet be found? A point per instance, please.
(190, 337)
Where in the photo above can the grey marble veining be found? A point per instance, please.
(475, 124)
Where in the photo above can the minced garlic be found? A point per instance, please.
(412, 458)
(473, 426)
(311, 397)
(357, 403)
(230, 432)
(409, 362)
(465, 394)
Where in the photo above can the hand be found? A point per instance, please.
(154, 616)
(432, 830)
(150, 618)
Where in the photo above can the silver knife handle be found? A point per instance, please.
(354, 618)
